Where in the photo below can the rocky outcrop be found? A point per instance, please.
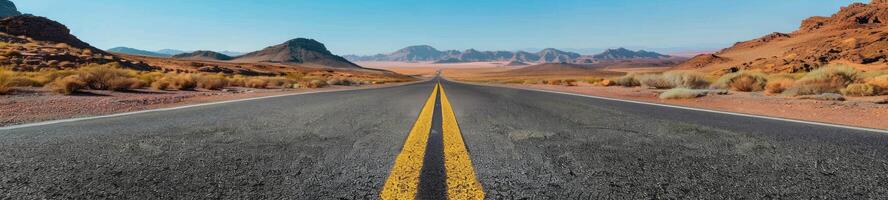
(42, 29)
(7, 9)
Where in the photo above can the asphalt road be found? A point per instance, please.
(523, 145)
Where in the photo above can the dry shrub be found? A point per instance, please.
(212, 82)
(256, 83)
(278, 82)
(162, 84)
(107, 77)
(313, 84)
(22, 81)
(555, 82)
(830, 79)
(67, 85)
(184, 82)
(654, 81)
(5, 76)
(880, 82)
(778, 86)
(860, 89)
(237, 81)
(150, 77)
(570, 82)
(686, 79)
(594, 80)
(606, 83)
(744, 81)
(682, 93)
(629, 80)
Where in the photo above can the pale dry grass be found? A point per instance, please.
(683, 93)
(831, 79)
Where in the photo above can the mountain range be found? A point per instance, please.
(426, 53)
(163, 53)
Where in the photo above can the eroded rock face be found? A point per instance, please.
(7, 9)
(41, 28)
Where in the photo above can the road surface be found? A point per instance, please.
(386, 142)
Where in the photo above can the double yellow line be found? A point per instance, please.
(403, 182)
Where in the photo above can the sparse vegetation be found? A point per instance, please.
(683, 93)
(831, 79)
(744, 81)
(778, 86)
(629, 80)
(860, 89)
(686, 79)
(67, 85)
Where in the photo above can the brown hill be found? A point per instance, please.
(856, 36)
(297, 51)
(203, 55)
(554, 69)
(32, 43)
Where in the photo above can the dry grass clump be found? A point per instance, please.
(654, 81)
(686, 79)
(313, 84)
(175, 82)
(5, 76)
(778, 86)
(256, 83)
(67, 85)
(744, 81)
(683, 93)
(880, 82)
(341, 81)
(211, 82)
(108, 77)
(628, 80)
(860, 89)
(830, 79)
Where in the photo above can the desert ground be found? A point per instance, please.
(869, 112)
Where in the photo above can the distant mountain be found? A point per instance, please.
(232, 53)
(422, 53)
(297, 51)
(621, 54)
(171, 51)
(7, 9)
(203, 55)
(139, 52)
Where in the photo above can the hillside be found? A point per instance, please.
(297, 51)
(203, 55)
(554, 69)
(48, 44)
(133, 51)
(855, 36)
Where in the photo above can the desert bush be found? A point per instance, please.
(313, 84)
(778, 86)
(556, 82)
(279, 82)
(237, 81)
(594, 80)
(256, 83)
(682, 93)
(124, 84)
(341, 81)
(106, 77)
(881, 82)
(162, 84)
(150, 77)
(22, 81)
(67, 85)
(5, 76)
(654, 81)
(628, 80)
(743, 81)
(860, 89)
(184, 82)
(831, 79)
(212, 82)
(686, 79)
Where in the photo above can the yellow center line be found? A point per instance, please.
(461, 180)
(403, 180)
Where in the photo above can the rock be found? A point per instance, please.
(43, 29)
(7, 9)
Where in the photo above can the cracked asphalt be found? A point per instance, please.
(523, 144)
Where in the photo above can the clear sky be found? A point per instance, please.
(379, 26)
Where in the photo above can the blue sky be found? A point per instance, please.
(377, 26)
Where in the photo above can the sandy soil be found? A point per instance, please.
(870, 112)
(35, 105)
